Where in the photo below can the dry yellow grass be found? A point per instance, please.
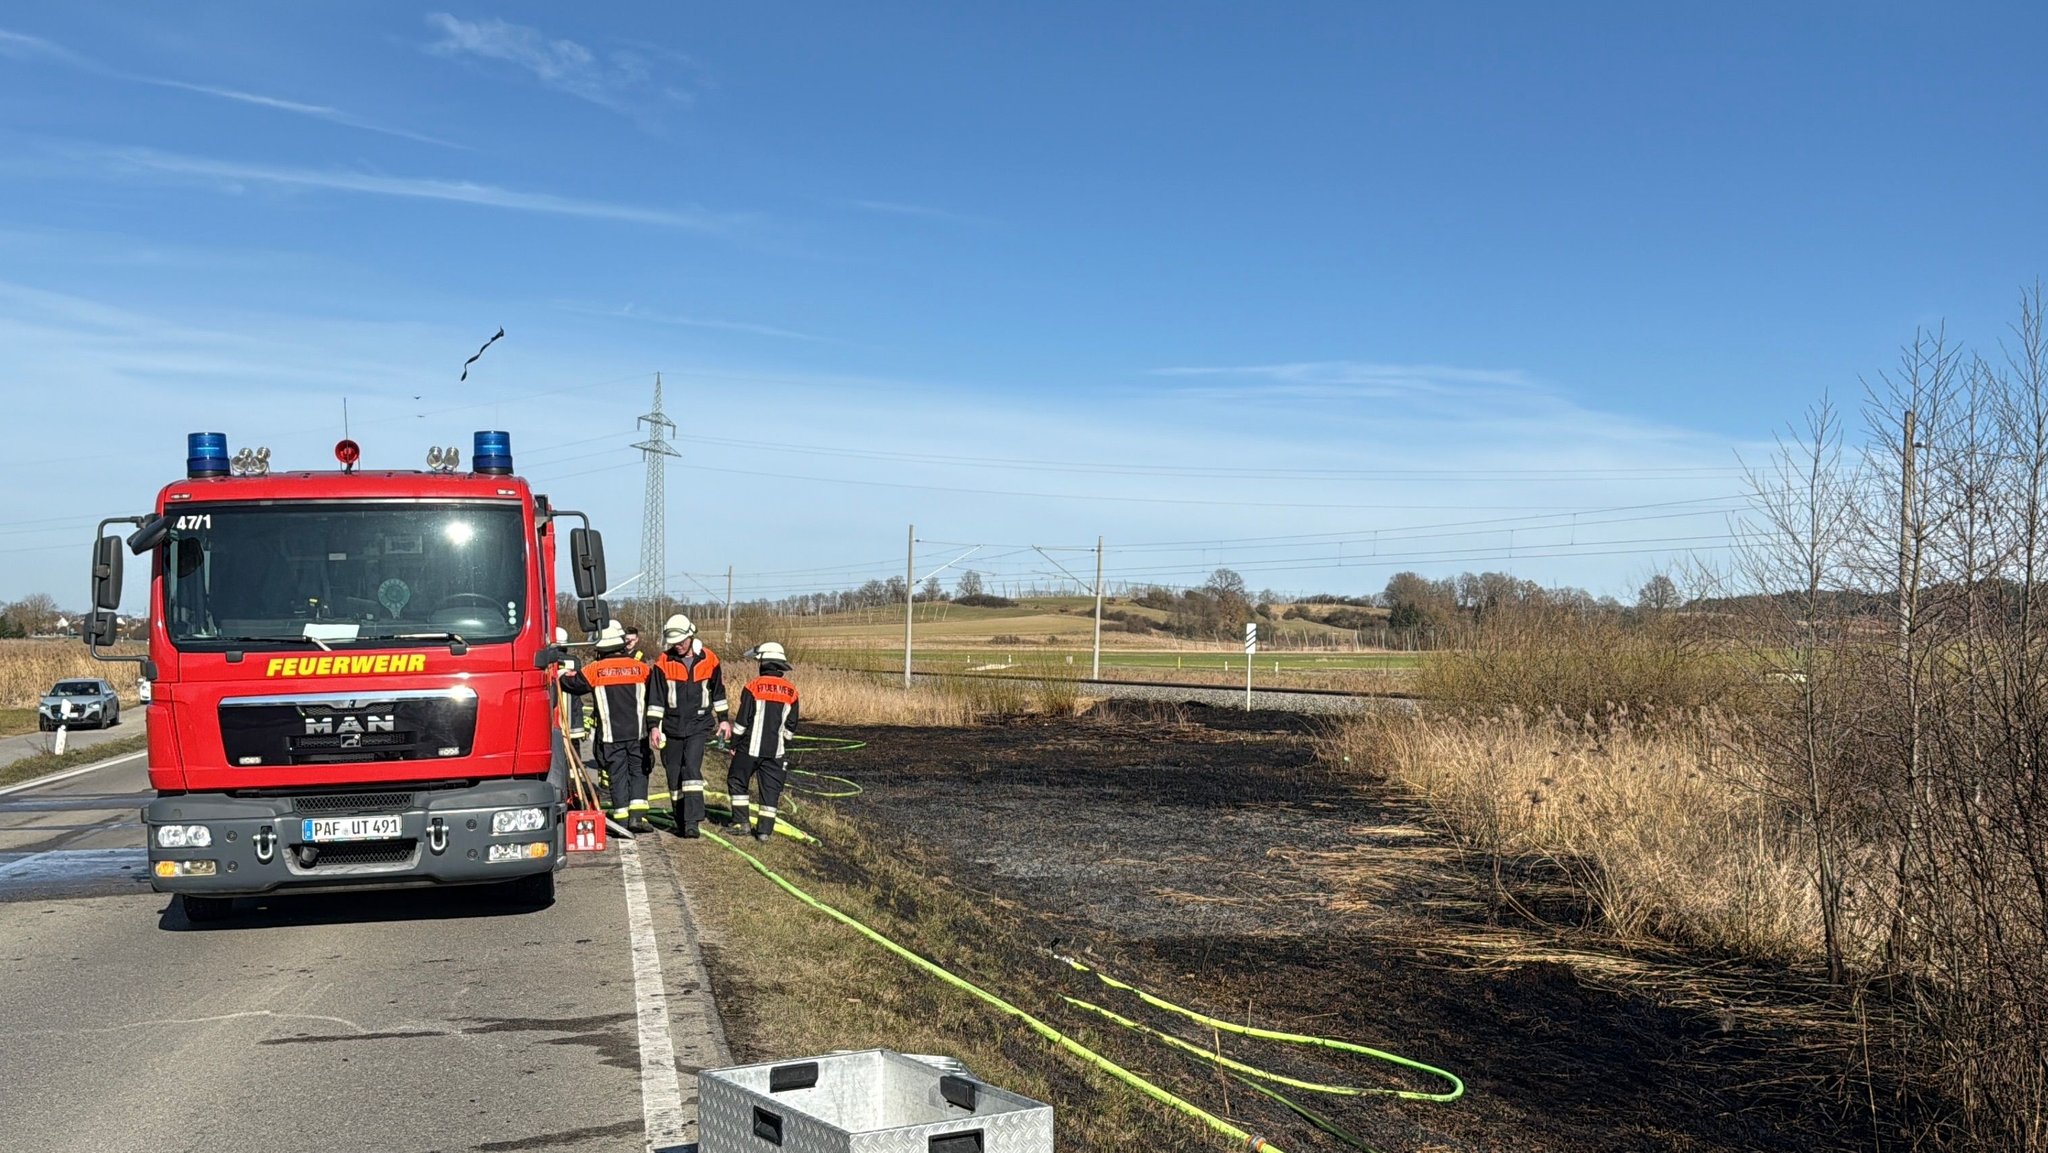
(29, 668)
(1658, 825)
(842, 698)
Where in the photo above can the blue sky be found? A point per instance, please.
(1328, 289)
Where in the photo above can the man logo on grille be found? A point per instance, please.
(351, 726)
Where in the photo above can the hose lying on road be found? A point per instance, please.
(1134, 1080)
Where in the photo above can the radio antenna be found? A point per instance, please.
(344, 418)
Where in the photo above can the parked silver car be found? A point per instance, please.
(78, 703)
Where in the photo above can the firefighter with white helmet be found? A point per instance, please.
(695, 710)
(767, 718)
(630, 699)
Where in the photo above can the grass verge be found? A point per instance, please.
(43, 764)
(14, 722)
(790, 982)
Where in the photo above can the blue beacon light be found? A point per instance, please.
(206, 454)
(491, 453)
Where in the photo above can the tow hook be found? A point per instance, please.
(266, 844)
(437, 835)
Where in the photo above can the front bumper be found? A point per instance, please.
(56, 714)
(444, 839)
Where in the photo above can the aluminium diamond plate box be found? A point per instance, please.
(874, 1101)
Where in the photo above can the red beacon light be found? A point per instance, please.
(348, 452)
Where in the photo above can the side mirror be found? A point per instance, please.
(150, 535)
(592, 615)
(586, 561)
(101, 631)
(106, 574)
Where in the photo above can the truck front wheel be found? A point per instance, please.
(206, 910)
(535, 889)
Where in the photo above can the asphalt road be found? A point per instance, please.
(27, 744)
(409, 1021)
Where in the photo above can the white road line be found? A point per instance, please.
(67, 774)
(661, 1093)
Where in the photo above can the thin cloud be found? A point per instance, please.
(416, 188)
(1337, 379)
(634, 312)
(623, 80)
(21, 46)
(921, 211)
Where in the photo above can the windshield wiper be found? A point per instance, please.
(456, 645)
(293, 638)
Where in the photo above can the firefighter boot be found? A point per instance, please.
(637, 818)
(740, 821)
(764, 829)
(691, 812)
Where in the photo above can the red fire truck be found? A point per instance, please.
(351, 674)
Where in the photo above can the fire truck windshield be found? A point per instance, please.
(357, 575)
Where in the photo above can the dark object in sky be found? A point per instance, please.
(480, 352)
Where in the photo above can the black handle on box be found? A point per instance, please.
(801, 1075)
(768, 1126)
(960, 1092)
(968, 1142)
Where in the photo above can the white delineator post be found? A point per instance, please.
(1095, 667)
(1251, 648)
(909, 598)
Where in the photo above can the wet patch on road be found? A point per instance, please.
(62, 874)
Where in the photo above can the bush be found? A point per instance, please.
(1354, 619)
(985, 601)
(1550, 661)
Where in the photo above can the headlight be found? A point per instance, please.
(517, 821)
(183, 836)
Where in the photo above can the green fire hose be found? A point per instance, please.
(1239, 1070)
(1248, 1075)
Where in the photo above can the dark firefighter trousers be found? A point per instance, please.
(683, 757)
(773, 773)
(624, 765)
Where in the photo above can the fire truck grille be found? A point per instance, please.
(354, 803)
(357, 856)
(327, 742)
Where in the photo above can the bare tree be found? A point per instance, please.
(1658, 594)
(35, 614)
(1802, 531)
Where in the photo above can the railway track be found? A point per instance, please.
(1277, 699)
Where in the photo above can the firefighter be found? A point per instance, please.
(629, 696)
(696, 709)
(633, 643)
(768, 715)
